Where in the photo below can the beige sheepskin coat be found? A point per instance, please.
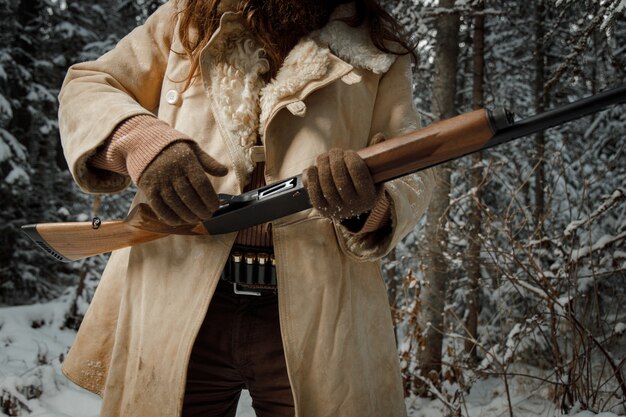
(335, 89)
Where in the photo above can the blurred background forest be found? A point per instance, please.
(518, 272)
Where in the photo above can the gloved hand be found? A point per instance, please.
(340, 185)
(176, 184)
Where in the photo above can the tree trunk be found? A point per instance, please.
(433, 292)
(22, 122)
(539, 209)
(474, 220)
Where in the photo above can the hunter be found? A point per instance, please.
(225, 96)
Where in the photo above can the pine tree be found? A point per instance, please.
(42, 39)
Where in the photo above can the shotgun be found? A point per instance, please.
(393, 158)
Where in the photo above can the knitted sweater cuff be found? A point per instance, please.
(379, 216)
(134, 143)
(376, 219)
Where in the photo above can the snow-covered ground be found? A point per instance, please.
(32, 346)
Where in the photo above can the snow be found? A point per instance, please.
(5, 107)
(38, 92)
(69, 402)
(83, 217)
(585, 284)
(601, 243)
(16, 148)
(32, 334)
(33, 347)
(488, 398)
(244, 408)
(5, 151)
(617, 196)
(69, 30)
(63, 212)
(593, 126)
(34, 344)
(17, 175)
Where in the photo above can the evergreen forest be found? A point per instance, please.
(517, 272)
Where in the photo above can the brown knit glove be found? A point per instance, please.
(176, 184)
(340, 185)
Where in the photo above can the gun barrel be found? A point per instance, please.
(471, 132)
(560, 115)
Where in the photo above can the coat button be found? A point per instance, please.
(172, 97)
(297, 108)
(351, 78)
(257, 154)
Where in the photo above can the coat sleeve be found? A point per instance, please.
(98, 95)
(394, 114)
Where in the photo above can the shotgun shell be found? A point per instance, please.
(250, 259)
(273, 280)
(263, 260)
(236, 266)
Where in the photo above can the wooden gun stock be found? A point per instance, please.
(424, 148)
(76, 240)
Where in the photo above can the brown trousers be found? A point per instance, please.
(239, 346)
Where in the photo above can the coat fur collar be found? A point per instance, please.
(353, 45)
(243, 103)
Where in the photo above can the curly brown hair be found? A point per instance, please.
(200, 18)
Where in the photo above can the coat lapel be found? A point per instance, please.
(306, 63)
(320, 59)
(232, 68)
(232, 65)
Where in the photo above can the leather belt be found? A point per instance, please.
(251, 268)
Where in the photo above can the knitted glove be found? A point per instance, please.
(340, 185)
(176, 184)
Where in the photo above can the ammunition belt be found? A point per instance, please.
(251, 267)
